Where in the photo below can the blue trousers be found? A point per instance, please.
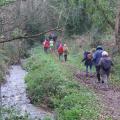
(88, 66)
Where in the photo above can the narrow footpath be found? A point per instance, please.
(14, 94)
(109, 99)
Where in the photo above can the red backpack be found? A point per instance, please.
(60, 49)
(46, 44)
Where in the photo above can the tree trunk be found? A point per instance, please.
(117, 31)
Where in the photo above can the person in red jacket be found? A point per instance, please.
(60, 51)
(46, 45)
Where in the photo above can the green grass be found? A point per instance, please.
(51, 83)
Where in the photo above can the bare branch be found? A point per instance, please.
(33, 36)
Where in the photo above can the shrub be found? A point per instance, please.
(12, 114)
(52, 84)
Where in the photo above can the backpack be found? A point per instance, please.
(60, 49)
(106, 65)
(46, 44)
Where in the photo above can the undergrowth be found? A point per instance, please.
(12, 114)
(115, 76)
(50, 83)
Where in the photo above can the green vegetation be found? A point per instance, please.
(52, 84)
(12, 114)
(5, 2)
(115, 76)
(79, 16)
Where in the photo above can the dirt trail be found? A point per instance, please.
(110, 99)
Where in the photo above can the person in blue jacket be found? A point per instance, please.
(96, 58)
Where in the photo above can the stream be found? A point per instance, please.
(14, 94)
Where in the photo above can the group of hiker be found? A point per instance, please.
(97, 57)
(51, 43)
(102, 62)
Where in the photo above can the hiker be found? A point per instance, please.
(96, 58)
(53, 36)
(46, 45)
(60, 52)
(105, 64)
(93, 50)
(58, 42)
(50, 36)
(88, 61)
(51, 45)
(65, 52)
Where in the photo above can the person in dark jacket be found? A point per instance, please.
(105, 64)
(96, 58)
(88, 61)
(53, 36)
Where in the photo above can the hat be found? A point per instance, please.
(104, 53)
(99, 48)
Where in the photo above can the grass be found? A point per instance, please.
(52, 84)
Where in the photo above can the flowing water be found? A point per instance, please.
(14, 94)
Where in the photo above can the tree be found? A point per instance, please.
(117, 31)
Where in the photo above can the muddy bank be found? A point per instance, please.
(14, 94)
